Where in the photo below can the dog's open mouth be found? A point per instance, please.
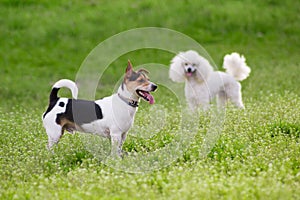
(189, 74)
(146, 96)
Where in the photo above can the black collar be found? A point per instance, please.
(130, 102)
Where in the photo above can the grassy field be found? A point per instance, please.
(256, 157)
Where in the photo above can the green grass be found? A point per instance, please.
(256, 157)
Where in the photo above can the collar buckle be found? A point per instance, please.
(130, 102)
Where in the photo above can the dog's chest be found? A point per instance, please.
(117, 117)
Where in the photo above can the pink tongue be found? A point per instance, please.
(189, 74)
(150, 98)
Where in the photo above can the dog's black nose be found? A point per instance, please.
(153, 87)
(189, 70)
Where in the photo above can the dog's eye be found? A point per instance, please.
(186, 64)
(194, 65)
(141, 80)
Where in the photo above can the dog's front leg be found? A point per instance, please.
(124, 135)
(116, 144)
(204, 106)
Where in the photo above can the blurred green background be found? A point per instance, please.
(43, 41)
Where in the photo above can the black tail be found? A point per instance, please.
(52, 100)
(53, 95)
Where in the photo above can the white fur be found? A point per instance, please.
(205, 84)
(68, 84)
(236, 66)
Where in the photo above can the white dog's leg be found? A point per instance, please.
(205, 106)
(221, 99)
(237, 101)
(124, 135)
(192, 105)
(123, 138)
(235, 96)
(116, 144)
(195, 104)
(204, 100)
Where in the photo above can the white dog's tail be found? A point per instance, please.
(63, 83)
(235, 65)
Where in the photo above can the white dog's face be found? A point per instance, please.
(189, 68)
(189, 65)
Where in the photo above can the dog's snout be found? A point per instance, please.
(153, 87)
(189, 70)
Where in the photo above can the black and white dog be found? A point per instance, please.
(109, 117)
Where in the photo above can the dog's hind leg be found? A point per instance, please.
(235, 96)
(237, 101)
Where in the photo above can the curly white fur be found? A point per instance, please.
(236, 66)
(202, 83)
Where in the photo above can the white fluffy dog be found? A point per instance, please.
(202, 83)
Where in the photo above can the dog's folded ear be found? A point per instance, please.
(143, 71)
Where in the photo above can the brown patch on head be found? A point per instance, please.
(137, 79)
(143, 78)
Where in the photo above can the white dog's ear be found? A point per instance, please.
(176, 72)
(203, 70)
